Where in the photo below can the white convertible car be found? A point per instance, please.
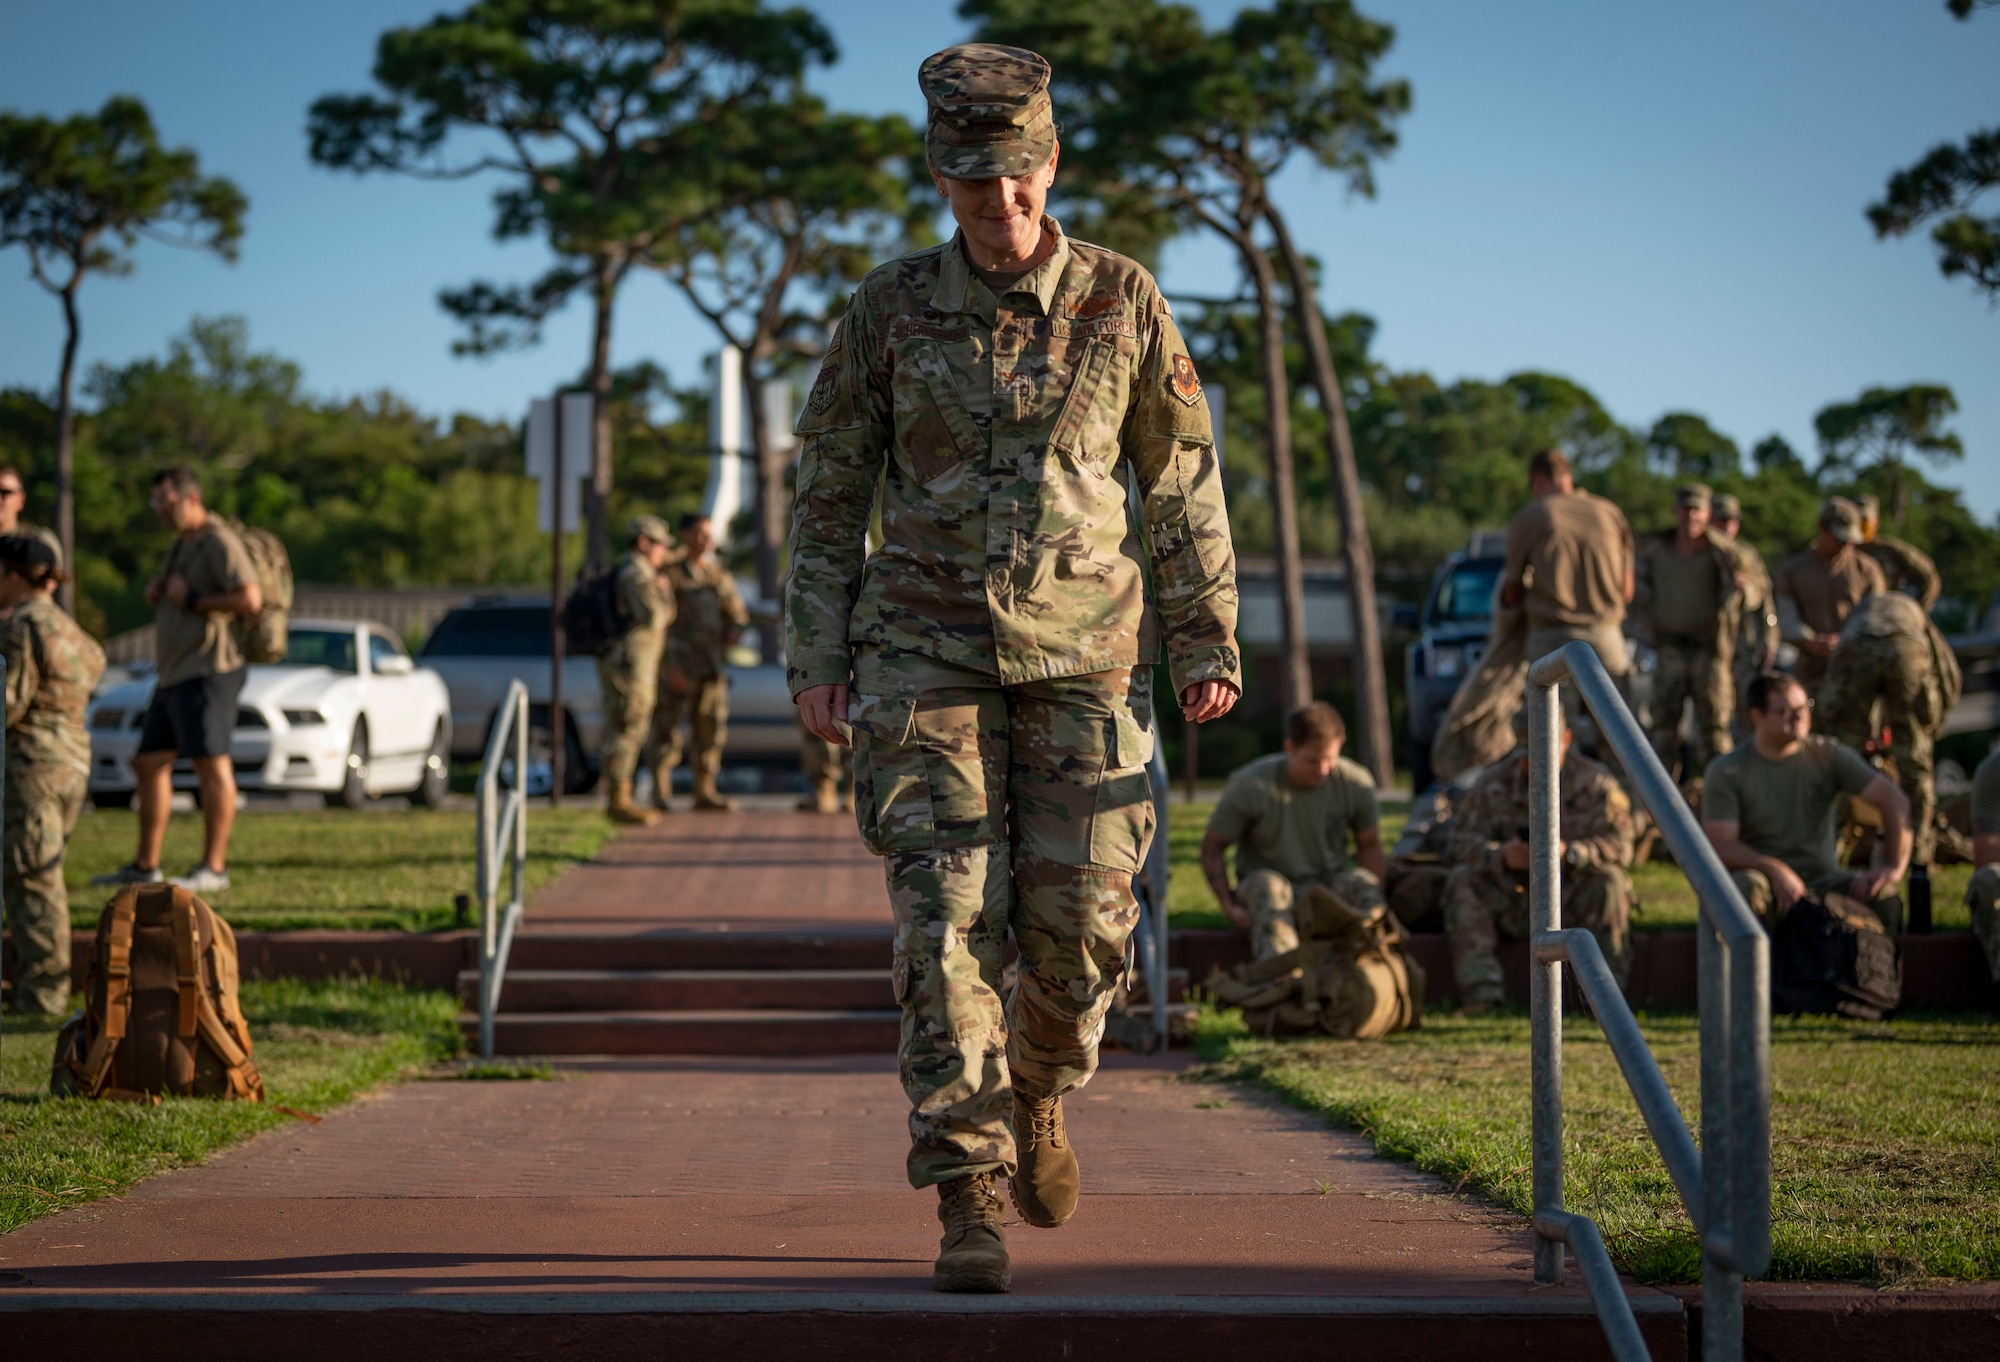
(347, 714)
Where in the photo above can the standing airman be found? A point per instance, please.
(693, 682)
(627, 668)
(1029, 414)
(1689, 595)
(52, 666)
(1756, 644)
(1818, 585)
(1908, 568)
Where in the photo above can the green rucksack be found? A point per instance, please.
(262, 637)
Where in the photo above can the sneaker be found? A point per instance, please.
(202, 880)
(125, 875)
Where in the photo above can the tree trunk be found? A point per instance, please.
(596, 502)
(65, 507)
(1371, 682)
(772, 509)
(1296, 670)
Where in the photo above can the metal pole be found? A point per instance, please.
(555, 631)
(1193, 755)
(1721, 1289)
(1545, 976)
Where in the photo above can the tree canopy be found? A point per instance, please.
(593, 109)
(78, 194)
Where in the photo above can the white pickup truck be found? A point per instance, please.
(482, 645)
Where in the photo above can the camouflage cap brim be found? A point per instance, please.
(1011, 160)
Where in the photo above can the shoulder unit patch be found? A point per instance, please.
(1183, 380)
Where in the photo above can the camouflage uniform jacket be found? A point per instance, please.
(52, 666)
(1596, 815)
(645, 599)
(1907, 567)
(1728, 565)
(1002, 435)
(708, 607)
(1757, 629)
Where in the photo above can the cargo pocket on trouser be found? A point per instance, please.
(892, 801)
(1121, 824)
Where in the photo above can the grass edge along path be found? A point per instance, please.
(1885, 1137)
(318, 1044)
(381, 869)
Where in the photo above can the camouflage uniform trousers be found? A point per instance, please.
(42, 810)
(1755, 887)
(1895, 670)
(1688, 671)
(1268, 897)
(997, 807)
(626, 676)
(705, 704)
(1416, 894)
(1982, 896)
(1481, 906)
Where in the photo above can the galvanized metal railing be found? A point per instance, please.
(503, 851)
(1726, 1185)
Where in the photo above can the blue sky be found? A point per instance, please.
(1663, 202)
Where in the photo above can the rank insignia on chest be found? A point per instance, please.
(1184, 382)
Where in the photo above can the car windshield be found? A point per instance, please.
(491, 631)
(320, 648)
(1466, 595)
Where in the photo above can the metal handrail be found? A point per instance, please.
(1150, 936)
(1726, 1186)
(503, 844)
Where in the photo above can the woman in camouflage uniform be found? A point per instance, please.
(52, 666)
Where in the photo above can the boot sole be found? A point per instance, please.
(985, 1281)
(1033, 1214)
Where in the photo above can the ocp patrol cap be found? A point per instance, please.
(990, 114)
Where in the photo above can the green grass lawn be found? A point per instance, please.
(1666, 903)
(1885, 1137)
(317, 1045)
(379, 869)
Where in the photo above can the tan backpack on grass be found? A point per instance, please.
(1348, 977)
(161, 1012)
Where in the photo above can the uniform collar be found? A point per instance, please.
(954, 290)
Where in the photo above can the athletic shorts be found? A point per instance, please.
(193, 717)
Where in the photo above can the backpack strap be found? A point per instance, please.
(244, 1080)
(96, 1066)
(187, 960)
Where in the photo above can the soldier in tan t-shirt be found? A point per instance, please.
(1569, 568)
(1818, 585)
(205, 583)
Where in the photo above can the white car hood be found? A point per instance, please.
(287, 687)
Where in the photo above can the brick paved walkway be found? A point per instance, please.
(734, 1194)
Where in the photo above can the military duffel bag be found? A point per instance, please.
(1349, 976)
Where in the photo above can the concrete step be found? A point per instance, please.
(680, 990)
(736, 1031)
(868, 948)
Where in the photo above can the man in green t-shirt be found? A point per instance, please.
(205, 583)
(1768, 809)
(1983, 895)
(1290, 817)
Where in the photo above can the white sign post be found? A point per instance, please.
(560, 444)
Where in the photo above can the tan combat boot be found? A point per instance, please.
(707, 799)
(972, 1256)
(663, 790)
(826, 796)
(1048, 1180)
(623, 810)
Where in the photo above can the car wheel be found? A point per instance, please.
(436, 780)
(353, 791)
(111, 799)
